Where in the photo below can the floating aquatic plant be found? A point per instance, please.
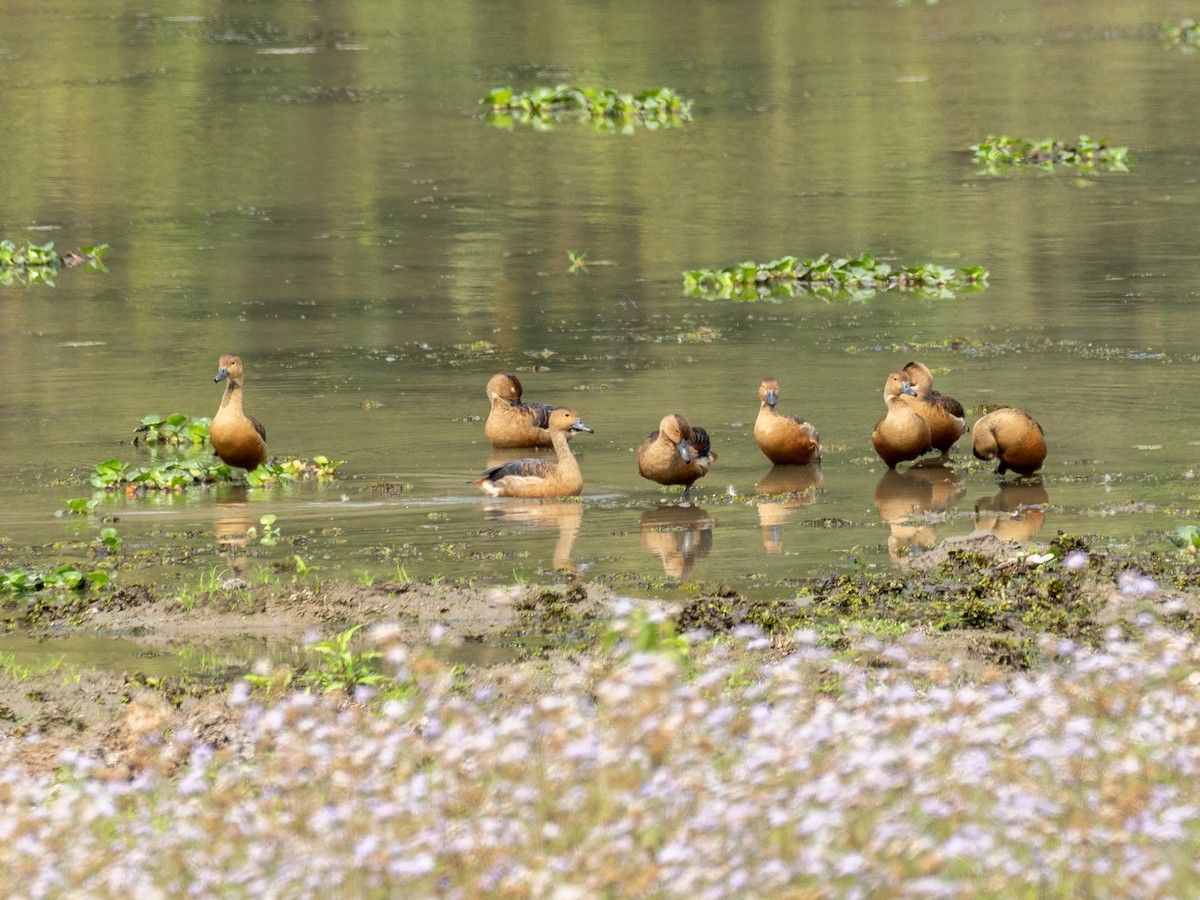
(29, 263)
(1186, 538)
(1184, 34)
(176, 429)
(177, 475)
(854, 278)
(543, 106)
(1001, 152)
(64, 577)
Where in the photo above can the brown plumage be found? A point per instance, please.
(1013, 437)
(944, 415)
(240, 440)
(786, 440)
(512, 423)
(902, 434)
(540, 477)
(677, 453)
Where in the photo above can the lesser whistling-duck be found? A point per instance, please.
(677, 453)
(512, 423)
(786, 440)
(902, 434)
(1011, 436)
(240, 440)
(535, 477)
(944, 415)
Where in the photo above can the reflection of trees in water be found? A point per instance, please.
(791, 487)
(1016, 513)
(902, 496)
(678, 535)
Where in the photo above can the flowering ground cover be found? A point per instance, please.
(754, 761)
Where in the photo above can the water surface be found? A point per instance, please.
(316, 189)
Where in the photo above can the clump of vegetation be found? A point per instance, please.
(1001, 152)
(180, 431)
(1186, 538)
(543, 106)
(1184, 34)
(29, 263)
(65, 577)
(177, 475)
(853, 278)
(177, 429)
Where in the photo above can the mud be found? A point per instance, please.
(985, 606)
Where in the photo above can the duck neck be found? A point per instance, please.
(562, 450)
(231, 400)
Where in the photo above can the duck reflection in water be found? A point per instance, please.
(678, 535)
(1016, 513)
(905, 499)
(788, 487)
(565, 516)
(232, 521)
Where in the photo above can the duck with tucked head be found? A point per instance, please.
(1011, 436)
(512, 423)
(240, 440)
(677, 453)
(786, 440)
(901, 435)
(535, 477)
(944, 415)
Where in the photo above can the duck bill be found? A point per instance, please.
(222, 374)
(907, 388)
(772, 397)
(685, 452)
(580, 426)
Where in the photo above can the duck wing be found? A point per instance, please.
(521, 468)
(701, 442)
(258, 426)
(538, 413)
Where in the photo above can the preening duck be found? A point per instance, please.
(1011, 436)
(677, 453)
(512, 423)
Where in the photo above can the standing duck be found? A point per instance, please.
(944, 415)
(535, 477)
(677, 453)
(240, 440)
(1012, 436)
(786, 440)
(902, 434)
(512, 423)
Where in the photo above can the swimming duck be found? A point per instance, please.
(240, 440)
(944, 415)
(513, 423)
(902, 434)
(677, 453)
(1012, 436)
(535, 477)
(786, 440)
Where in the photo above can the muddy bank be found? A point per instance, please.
(983, 605)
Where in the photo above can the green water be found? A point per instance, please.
(346, 220)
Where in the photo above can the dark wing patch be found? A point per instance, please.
(258, 426)
(539, 413)
(949, 404)
(523, 468)
(700, 441)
